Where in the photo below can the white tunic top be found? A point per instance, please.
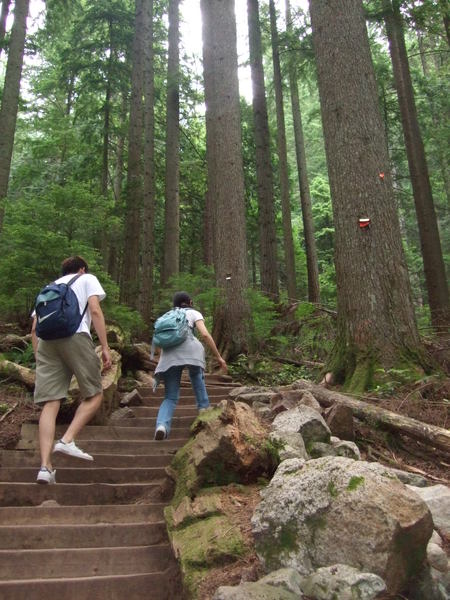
(189, 352)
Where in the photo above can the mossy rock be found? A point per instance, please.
(203, 545)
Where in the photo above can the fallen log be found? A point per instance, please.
(12, 341)
(9, 369)
(137, 357)
(298, 363)
(430, 434)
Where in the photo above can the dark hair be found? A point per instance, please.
(182, 300)
(73, 264)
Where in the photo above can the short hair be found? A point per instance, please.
(182, 300)
(73, 264)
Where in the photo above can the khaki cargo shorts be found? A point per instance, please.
(58, 360)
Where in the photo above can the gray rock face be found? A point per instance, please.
(293, 445)
(344, 583)
(254, 591)
(287, 578)
(339, 419)
(348, 449)
(304, 420)
(437, 557)
(336, 510)
(437, 498)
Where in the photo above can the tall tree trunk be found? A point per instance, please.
(376, 323)
(3, 16)
(305, 196)
(10, 98)
(433, 261)
(436, 120)
(103, 233)
(289, 253)
(208, 231)
(115, 243)
(149, 168)
(171, 254)
(129, 291)
(264, 174)
(445, 13)
(225, 173)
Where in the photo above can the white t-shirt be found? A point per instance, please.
(85, 286)
(193, 316)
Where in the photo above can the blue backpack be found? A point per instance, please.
(57, 311)
(171, 329)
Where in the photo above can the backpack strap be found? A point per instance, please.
(69, 283)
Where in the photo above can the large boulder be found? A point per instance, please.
(336, 510)
(339, 419)
(254, 591)
(342, 582)
(304, 420)
(230, 445)
(437, 498)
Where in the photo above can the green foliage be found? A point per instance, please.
(21, 357)
(199, 285)
(263, 317)
(129, 320)
(40, 230)
(304, 309)
(386, 381)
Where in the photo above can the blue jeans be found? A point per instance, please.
(172, 379)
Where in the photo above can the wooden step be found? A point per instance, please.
(29, 494)
(83, 562)
(83, 475)
(31, 458)
(121, 446)
(100, 531)
(89, 514)
(151, 586)
(48, 536)
(30, 433)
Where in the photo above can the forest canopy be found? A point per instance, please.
(328, 185)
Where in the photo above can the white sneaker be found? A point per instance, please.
(46, 476)
(71, 449)
(160, 433)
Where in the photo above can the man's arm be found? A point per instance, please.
(100, 328)
(34, 337)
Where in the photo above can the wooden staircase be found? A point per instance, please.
(100, 531)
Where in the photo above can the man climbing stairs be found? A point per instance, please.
(100, 531)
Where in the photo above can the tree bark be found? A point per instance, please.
(3, 17)
(148, 221)
(129, 290)
(208, 229)
(264, 171)
(376, 323)
(445, 13)
(312, 264)
(115, 241)
(225, 173)
(18, 373)
(429, 434)
(10, 98)
(289, 253)
(433, 261)
(171, 253)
